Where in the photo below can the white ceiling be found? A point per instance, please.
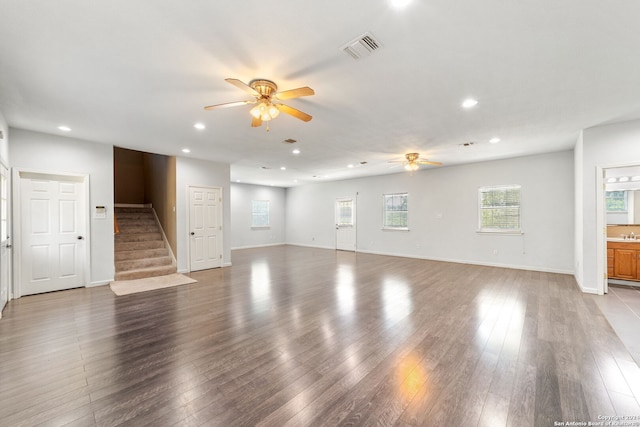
(137, 74)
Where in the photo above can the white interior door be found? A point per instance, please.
(205, 228)
(346, 224)
(5, 239)
(52, 232)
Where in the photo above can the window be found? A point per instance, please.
(344, 213)
(395, 208)
(499, 209)
(616, 201)
(260, 213)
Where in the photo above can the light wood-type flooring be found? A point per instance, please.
(311, 337)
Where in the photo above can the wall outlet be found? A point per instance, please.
(495, 252)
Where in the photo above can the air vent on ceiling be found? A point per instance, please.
(289, 141)
(362, 46)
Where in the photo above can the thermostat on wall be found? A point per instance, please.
(100, 213)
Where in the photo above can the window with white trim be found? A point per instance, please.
(395, 210)
(616, 201)
(499, 209)
(259, 213)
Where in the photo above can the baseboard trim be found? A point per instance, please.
(257, 246)
(98, 283)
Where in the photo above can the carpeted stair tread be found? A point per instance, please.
(139, 246)
(142, 263)
(146, 272)
(138, 237)
(138, 229)
(120, 211)
(141, 254)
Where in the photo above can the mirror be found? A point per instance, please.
(625, 183)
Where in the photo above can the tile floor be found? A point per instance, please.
(621, 307)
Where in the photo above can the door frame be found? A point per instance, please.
(602, 284)
(16, 176)
(188, 223)
(10, 237)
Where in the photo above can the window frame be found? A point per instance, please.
(496, 230)
(625, 201)
(254, 214)
(386, 226)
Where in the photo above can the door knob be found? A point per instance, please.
(80, 237)
(192, 233)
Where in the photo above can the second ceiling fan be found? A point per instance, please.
(264, 93)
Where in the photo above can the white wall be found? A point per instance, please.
(51, 153)
(602, 146)
(242, 235)
(443, 213)
(200, 173)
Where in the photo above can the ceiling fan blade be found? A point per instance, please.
(228, 104)
(424, 162)
(294, 93)
(256, 122)
(243, 86)
(293, 112)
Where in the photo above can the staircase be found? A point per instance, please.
(140, 248)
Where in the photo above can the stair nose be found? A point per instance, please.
(146, 272)
(142, 263)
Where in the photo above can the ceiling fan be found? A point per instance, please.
(265, 92)
(412, 162)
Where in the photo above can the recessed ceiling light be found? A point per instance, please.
(296, 151)
(64, 128)
(494, 140)
(199, 126)
(469, 103)
(623, 179)
(186, 150)
(349, 166)
(635, 178)
(237, 180)
(611, 180)
(282, 168)
(295, 180)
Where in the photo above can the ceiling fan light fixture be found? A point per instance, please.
(412, 166)
(265, 111)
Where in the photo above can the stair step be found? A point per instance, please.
(146, 272)
(141, 254)
(137, 229)
(138, 246)
(133, 216)
(133, 210)
(138, 237)
(148, 222)
(136, 264)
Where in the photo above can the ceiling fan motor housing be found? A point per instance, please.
(266, 88)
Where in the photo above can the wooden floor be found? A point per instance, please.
(309, 337)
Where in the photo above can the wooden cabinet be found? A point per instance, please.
(625, 264)
(610, 260)
(623, 260)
